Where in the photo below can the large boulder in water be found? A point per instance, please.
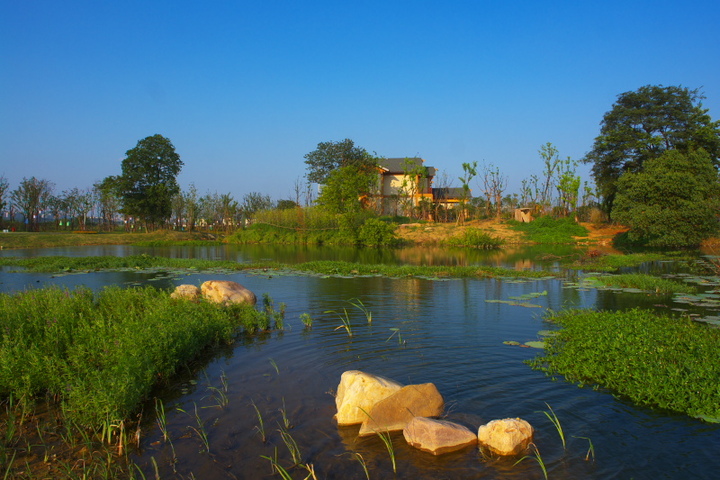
(225, 291)
(358, 392)
(395, 411)
(509, 436)
(438, 436)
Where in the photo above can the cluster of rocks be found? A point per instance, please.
(218, 291)
(381, 405)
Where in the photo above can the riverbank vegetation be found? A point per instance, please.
(550, 230)
(652, 359)
(95, 357)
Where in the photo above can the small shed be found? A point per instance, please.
(523, 215)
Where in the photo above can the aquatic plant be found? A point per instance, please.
(345, 319)
(556, 423)
(538, 459)
(357, 303)
(306, 319)
(652, 359)
(260, 427)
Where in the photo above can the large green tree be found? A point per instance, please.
(643, 124)
(673, 201)
(346, 188)
(148, 181)
(328, 156)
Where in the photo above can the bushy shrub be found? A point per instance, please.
(474, 237)
(375, 233)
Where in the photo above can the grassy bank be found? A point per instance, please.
(656, 360)
(139, 262)
(101, 354)
(66, 239)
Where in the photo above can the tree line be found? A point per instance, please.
(655, 163)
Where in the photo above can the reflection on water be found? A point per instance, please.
(422, 331)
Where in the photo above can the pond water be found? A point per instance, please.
(445, 332)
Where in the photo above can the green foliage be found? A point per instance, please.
(345, 188)
(376, 233)
(148, 181)
(645, 123)
(550, 230)
(329, 156)
(656, 360)
(102, 354)
(31, 196)
(673, 201)
(474, 237)
(596, 262)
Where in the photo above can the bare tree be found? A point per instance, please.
(493, 185)
(31, 197)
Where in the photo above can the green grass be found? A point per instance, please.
(474, 237)
(101, 354)
(550, 230)
(139, 262)
(645, 282)
(596, 262)
(655, 360)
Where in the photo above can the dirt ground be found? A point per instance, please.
(436, 233)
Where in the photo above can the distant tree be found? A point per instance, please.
(286, 204)
(4, 185)
(191, 203)
(673, 201)
(568, 186)
(494, 184)
(32, 196)
(469, 172)
(107, 193)
(642, 125)
(78, 204)
(148, 181)
(328, 156)
(254, 202)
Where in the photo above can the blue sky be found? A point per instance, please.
(245, 89)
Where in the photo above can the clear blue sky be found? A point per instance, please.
(245, 89)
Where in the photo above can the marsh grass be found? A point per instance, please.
(646, 283)
(537, 458)
(357, 303)
(650, 358)
(556, 423)
(476, 238)
(345, 319)
(326, 267)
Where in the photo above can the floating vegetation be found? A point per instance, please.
(632, 283)
(655, 360)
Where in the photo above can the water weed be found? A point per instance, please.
(538, 459)
(345, 319)
(590, 455)
(357, 303)
(652, 359)
(260, 427)
(306, 320)
(556, 423)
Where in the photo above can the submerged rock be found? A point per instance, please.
(395, 411)
(438, 436)
(225, 291)
(189, 292)
(509, 436)
(358, 392)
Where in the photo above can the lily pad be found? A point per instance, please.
(535, 344)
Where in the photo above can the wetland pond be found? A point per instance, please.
(448, 332)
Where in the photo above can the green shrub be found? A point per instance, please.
(474, 237)
(550, 230)
(376, 233)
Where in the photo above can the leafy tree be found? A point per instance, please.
(328, 156)
(191, 203)
(645, 123)
(32, 196)
(346, 188)
(148, 181)
(286, 204)
(78, 203)
(107, 193)
(673, 201)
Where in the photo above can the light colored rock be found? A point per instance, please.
(509, 436)
(189, 292)
(359, 391)
(438, 436)
(395, 411)
(225, 291)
